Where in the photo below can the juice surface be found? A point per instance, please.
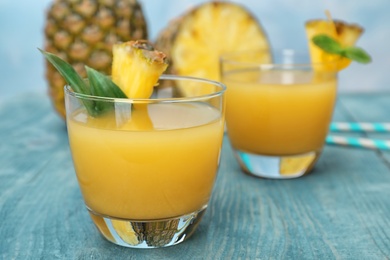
(278, 113)
(158, 173)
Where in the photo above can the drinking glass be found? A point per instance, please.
(279, 107)
(146, 167)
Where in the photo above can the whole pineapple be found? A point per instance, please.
(82, 32)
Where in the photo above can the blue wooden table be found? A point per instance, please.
(339, 211)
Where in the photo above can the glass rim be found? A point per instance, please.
(68, 91)
(230, 58)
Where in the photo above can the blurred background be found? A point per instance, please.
(22, 24)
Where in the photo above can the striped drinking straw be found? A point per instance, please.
(359, 142)
(360, 127)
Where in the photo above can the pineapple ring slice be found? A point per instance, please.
(195, 41)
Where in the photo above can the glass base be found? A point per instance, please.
(276, 167)
(147, 234)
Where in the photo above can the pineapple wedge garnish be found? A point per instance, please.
(137, 67)
(344, 33)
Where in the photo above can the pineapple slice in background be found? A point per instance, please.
(137, 67)
(344, 33)
(194, 41)
(83, 32)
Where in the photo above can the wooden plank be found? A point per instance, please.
(370, 108)
(339, 211)
(375, 208)
(317, 216)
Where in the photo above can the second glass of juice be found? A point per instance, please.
(278, 112)
(146, 167)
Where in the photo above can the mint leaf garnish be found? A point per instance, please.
(99, 84)
(357, 54)
(330, 45)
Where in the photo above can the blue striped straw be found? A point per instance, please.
(360, 127)
(359, 142)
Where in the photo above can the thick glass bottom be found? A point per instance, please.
(147, 234)
(277, 167)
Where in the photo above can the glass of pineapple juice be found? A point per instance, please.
(146, 168)
(279, 107)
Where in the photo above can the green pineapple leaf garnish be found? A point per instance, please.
(102, 86)
(99, 84)
(68, 72)
(330, 45)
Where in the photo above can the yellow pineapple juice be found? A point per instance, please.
(159, 173)
(278, 112)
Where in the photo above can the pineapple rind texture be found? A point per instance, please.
(159, 234)
(348, 34)
(155, 234)
(194, 41)
(83, 33)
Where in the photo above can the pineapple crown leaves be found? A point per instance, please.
(330, 45)
(99, 84)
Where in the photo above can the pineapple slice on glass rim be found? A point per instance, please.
(345, 33)
(137, 67)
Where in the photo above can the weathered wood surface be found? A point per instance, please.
(340, 211)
